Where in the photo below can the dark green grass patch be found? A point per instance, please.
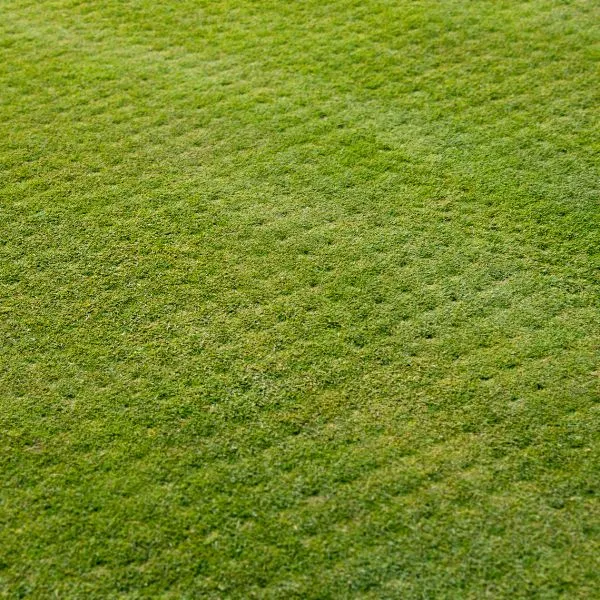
(299, 300)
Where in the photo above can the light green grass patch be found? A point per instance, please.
(299, 300)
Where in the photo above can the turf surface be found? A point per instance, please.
(299, 299)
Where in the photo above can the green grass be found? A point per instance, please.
(299, 299)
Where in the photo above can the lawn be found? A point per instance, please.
(299, 299)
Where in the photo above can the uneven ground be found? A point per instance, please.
(299, 299)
